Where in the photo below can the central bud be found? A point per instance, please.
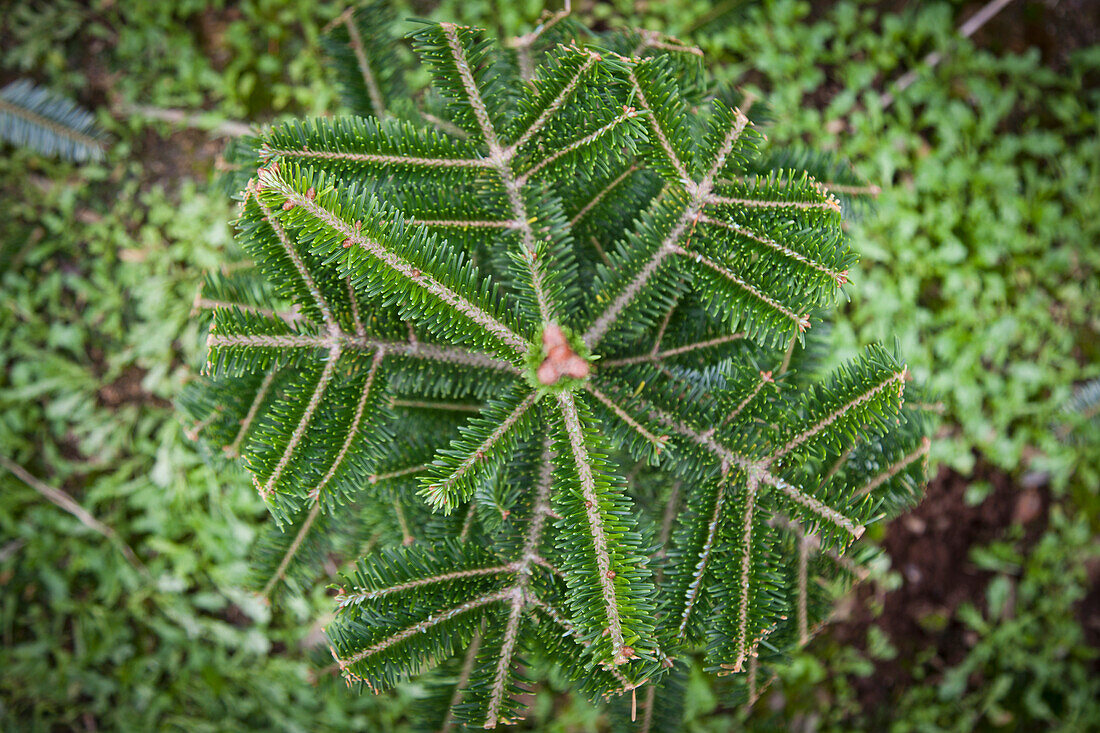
(561, 360)
(561, 363)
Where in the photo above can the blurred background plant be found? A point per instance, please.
(980, 250)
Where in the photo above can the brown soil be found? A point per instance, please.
(930, 547)
(173, 157)
(1056, 27)
(1088, 613)
(127, 389)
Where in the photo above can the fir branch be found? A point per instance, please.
(830, 204)
(193, 432)
(661, 42)
(407, 537)
(765, 378)
(48, 123)
(307, 278)
(605, 320)
(840, 277)
(541, 507)
(440, 491)
(507, 649)
(896, 378)
(700, 195)
(741, 641)
(399, 265)
(378, 104)
(419, 628)
(894, 469)
(704, 556)
(803, 591)
(281, 341)
(556, 103)
(732, 136)
(514, 187)
(233, 449)
(295, 545)
(677, 351)
(847, 189)
(467, 223)
(638, 261)
(570, 630)
(658, 442)
(802, 321)
(422, 405)
(201, 303)
(595, 524)
(416, 350)
(661, 331)
(460, 686)
(311, 408)
(662, 136)
(353, 429)
(357, 319)
(813, 505)
(446, 126)
(377, 158)
(376, 477)
(473, 95)
(448, 354)
(344, 600)
(628, 114)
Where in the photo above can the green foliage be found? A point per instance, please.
(95, 334)
(396, 264)
(1027, 663)
(980, 255)
(363, 53)
(1031, 662)
(97, 281)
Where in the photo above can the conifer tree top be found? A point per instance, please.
(542, 336)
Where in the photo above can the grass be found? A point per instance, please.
(980, 254)
(97, 339)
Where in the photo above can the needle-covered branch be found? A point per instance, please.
(538, 355)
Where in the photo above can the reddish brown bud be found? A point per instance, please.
(561, 360)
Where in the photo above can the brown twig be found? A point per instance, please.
(223, 128)
(66, 502)
(967, 29)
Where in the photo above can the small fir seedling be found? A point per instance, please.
(533, 351)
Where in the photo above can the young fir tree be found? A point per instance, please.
(533, 348)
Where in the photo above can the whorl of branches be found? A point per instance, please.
(539, 343)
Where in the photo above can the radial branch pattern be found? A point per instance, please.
(532, 337)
